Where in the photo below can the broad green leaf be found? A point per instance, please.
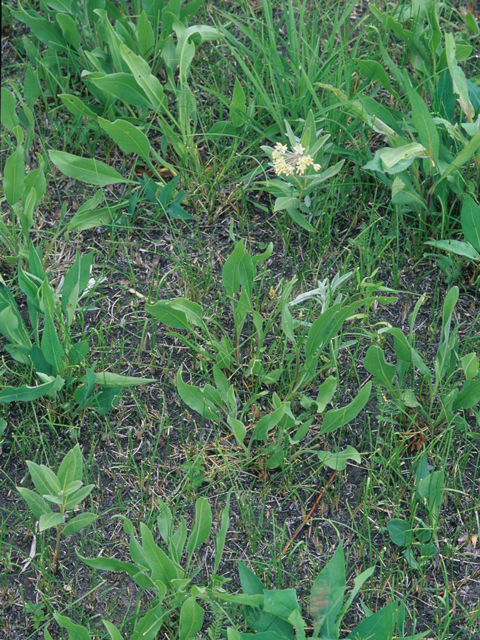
(35, 180)
(14, 176)
(192, 310)
(237, 105)
(390, 158)
(280, 602)
(8, 114)
(143, 76)
(112, 630)
(375, 363)
(96, 217)
(148, 626)
(108, 379)
(462, 158)
(458, 77)
(78, 496)
(221, 535)
(231, 269)
(431, 490)
(468, 397)
(145, 35)
(191, 618)
(457, 247)
(300, 219)
(69, 30)
(373, 70)
(162, 567)
(379, 626)
(86, 170)
(196, 399)
(43, 29)
(423, 122)
(202, 526)
(129, 138)
(336, 418)
(38, 505)
(238, 429)
(44, 478)
(281, 204)
(27, 394)
(327, 596)
(470, 363)
(32, 87)
(51, 347)
(49, 520)
(163, 312)
(470, 218)
(401, 533)
(79, 522)
(109, 564)
(268, 422)
(74, 284)
(77, 106)
(122, 86)
(338, 461)
(75, 631)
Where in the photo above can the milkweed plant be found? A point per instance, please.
(298, 172)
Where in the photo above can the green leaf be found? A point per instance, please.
(202, 526)
(77, 106)
(191, 618)
(112, 630)
(336, 418)
(71, 468)
(268, 422)
(300, 219)
(192, 310)
(145, 35)
(470, 364)
(238, 429)
(32, 87)
(431, 490)
(148, 626)
(375, 363)
(338, 460)
(143, 76)
(78, 496)
(75, 631)
(456, 247)
(470, 218)
(51, 347)
(8, 115)
(165, 313)
(231, 269)
(110, 564)
(108, 379)
(35, 180)
(423, 122)
(49, 520)
(123, 87)
(468, 397)
(379, 626)
(401, 533)
(461, 158)
(196, 399)
(458, 78)
(281, 602)
(69, 30)
(327, 596)
(14, 176)
(43, 29)
(27, 394)
(281, 204)
(74, 284)
(220, 540)
(373, 70)
(86, 170)
(238, 104)
(38, 505)
(129, 138)
(79, 522)
(162, 567)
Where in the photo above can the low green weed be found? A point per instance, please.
(441, 398)
(57, 359)
(416, 535)
(63, 489)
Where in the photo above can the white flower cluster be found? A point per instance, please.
(289, 162)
